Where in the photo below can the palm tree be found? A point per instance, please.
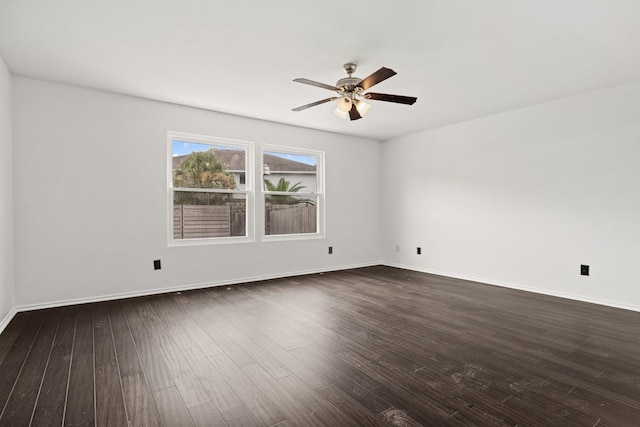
(284, 186)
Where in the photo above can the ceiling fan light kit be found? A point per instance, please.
(362, 107)
(351, 89)
(344, 104)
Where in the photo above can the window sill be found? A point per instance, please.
(210, 241)
(286, 237)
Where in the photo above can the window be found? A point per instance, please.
(293, 193)
(210, 193)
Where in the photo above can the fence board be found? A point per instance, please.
(177, 222)
(191, 221)
(291, 219)
(202, 221)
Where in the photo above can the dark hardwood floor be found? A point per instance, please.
(366, 347)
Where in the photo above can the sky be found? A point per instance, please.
(183, 147)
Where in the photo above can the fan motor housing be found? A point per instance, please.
(348, 84)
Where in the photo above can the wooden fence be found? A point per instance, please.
(290, 219)
(202, 221)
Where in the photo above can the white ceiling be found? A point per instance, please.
(463, 59)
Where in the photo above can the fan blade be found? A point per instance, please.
(375, 78)
(354, 114)
(317, 84)
(410, 100)
(313, 104)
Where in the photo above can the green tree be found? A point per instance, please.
(285, 186)
(202, 170)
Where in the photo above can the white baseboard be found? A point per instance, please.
(520, 287)
(157, 291)
(4, 322)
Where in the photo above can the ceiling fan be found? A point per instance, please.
(351, 94)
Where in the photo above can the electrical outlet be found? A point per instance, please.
(584, 270)
(419, 250)
(156, 264)
(330, 250)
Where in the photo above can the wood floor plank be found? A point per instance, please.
(270, 363)
(239, 417)
(198, 312)
(49, 408)
(206, 415)
(323, 409)
(110, 408)
(287, 342)
(155, 325)
(297, 413)
(198, 335)
(354, 389)
(349, 406)
(80, 405)
(409, 405)
(383, 351)
(407, 387)
(311, 377)
(259, 404)
(182, 333)
(288, 323)
(171, 408)
(141, 407)
(285, 423)
(226, 325)
(10, 333)
(127, 355)
(19, 407)
(319, 358)
(246, 324)
(14, 361)
(398, 417)
(181, 321)
(139, 403)
(220, 393)
(154, 367)
(234, 351)
(183, 376)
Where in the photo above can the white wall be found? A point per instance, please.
(91, 198)
(518, 199)
(523, 198)
(6, 196)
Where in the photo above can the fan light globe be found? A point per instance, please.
(362, 107)
(344, 104)
(341, 114)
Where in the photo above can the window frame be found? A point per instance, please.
(248, 190)
(319, 194)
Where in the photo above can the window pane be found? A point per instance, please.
(203, 215)
(290, 172)
(198, 165)
(286, 214)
